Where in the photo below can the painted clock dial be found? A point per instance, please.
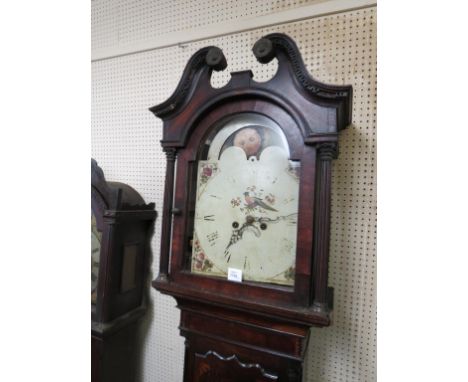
(247, 204)
(95, 253)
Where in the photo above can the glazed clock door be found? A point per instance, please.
(246, 203)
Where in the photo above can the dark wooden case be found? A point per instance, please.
(250, 331)
(125, 222)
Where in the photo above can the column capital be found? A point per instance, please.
(171, 153)
(327, 151)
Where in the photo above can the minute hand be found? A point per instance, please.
(279, 218)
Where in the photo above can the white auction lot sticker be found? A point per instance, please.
(234, 275)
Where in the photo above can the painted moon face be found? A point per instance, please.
(249, 140)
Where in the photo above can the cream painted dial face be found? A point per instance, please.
(246, 214)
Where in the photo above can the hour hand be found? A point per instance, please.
(235, 237)
(238, 233)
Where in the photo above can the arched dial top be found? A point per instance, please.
(247, 203)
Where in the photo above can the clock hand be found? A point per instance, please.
(235, 237)
(279, 218)
(238, 233)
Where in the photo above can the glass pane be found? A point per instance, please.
(95, 254)
(246, 203)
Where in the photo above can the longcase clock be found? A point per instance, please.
(121, 226)
(246, 215)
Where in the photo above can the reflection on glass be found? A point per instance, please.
(253, 139)
(95, 252)
(251, 132)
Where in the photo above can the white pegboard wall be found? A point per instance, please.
(337, 49)
(120, 22)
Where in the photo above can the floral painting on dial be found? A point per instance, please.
(199, 261)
